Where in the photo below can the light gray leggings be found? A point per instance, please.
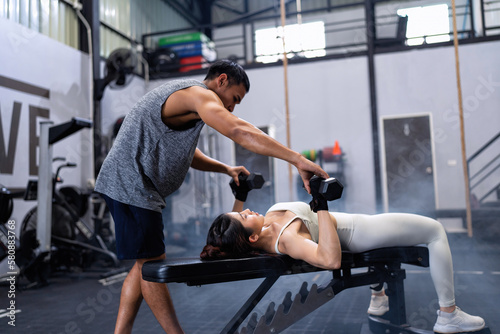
(400, 229)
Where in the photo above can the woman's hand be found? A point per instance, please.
(234, 172)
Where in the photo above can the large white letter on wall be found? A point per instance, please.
(40, 79)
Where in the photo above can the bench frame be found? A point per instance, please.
(383, 266)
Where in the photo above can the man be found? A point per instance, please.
(152, 153)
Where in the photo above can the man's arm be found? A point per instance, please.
(205, 163)
(213, 113)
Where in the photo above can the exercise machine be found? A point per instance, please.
(58, 208)
(74, 243)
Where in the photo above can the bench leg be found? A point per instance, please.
(396, 293)
(306, 301)
(249, 305)
(394, 322)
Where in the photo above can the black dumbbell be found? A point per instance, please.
(252, 181)
(247, 183)
(331, 188)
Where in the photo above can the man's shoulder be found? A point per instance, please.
(177, 85)
(184, 83)
(199, 91)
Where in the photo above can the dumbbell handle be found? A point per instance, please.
(247, 183)
(256, 177)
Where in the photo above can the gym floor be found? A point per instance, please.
(85, 303)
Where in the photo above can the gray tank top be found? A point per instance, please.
(148, 160)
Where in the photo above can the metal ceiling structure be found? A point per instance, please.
(226, 12)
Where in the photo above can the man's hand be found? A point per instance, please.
(308, 169)
(247, 183)
(235, 171)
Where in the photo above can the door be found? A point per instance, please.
(409, 168)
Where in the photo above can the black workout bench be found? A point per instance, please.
(383, 265)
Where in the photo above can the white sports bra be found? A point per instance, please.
(281, 232)
(345, 224)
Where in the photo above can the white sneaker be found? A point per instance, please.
(379, 305)
(457, 322)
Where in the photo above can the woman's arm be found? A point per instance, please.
(325, 254)
(238, 205)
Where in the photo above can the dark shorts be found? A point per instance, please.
(139, 232)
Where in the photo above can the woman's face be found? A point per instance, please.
(250, 219)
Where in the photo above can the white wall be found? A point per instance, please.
(30, 58)
(35, 59)
(424, 81)
(117, 103)
(329, 100)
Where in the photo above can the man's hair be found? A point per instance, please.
(235, 73)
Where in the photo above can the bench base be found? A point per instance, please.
(382, 266)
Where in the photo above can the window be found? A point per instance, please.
(430, 24)
(303, 40)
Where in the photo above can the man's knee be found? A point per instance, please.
(140, 262)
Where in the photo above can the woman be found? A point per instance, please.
(318, 237)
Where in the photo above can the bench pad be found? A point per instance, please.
(194, 271)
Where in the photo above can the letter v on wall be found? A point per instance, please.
(8, 152)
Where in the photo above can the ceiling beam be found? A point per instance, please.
(221, 5)
(186, 13)
(247, 16)
(206, 12)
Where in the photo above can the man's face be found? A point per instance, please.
(230, 95)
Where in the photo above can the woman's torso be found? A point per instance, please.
(305, 223)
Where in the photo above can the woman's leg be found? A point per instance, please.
(397, 229)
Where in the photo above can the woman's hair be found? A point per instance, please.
(227, 238)
(235, 73)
